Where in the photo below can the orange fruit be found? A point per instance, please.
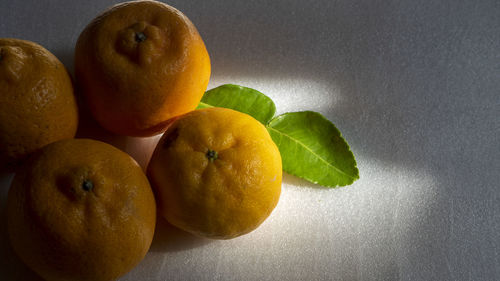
(216, 173)
(139, 64)
(80, 209)
(37, 103)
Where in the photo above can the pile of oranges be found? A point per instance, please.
(81, 209)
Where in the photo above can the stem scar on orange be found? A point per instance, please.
(139, 64)
(81, 209)
(216, 173)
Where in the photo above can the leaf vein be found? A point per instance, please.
(312, 152)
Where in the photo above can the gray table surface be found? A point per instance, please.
(414, 86)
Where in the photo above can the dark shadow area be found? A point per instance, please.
(12, 268)
(169, 238)
(66, 56)
(88, 127)
(139, 148)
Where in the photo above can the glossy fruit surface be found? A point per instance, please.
(81, 209)
(37, 103)
(216, 173)
(139, 64)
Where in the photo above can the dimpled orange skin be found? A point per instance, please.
(37, 103)
(66, 232)
(139, 64)
(222, 196)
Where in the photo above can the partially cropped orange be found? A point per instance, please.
(216, 173)
(81, 209)
(139, 64)
(37, 103)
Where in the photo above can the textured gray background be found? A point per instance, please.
(414, 86)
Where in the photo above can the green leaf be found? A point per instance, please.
(312, 148)
(243, 99)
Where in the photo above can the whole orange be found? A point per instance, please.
(37, 103)
(139, 64)
(216, 173)
(80, 209)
